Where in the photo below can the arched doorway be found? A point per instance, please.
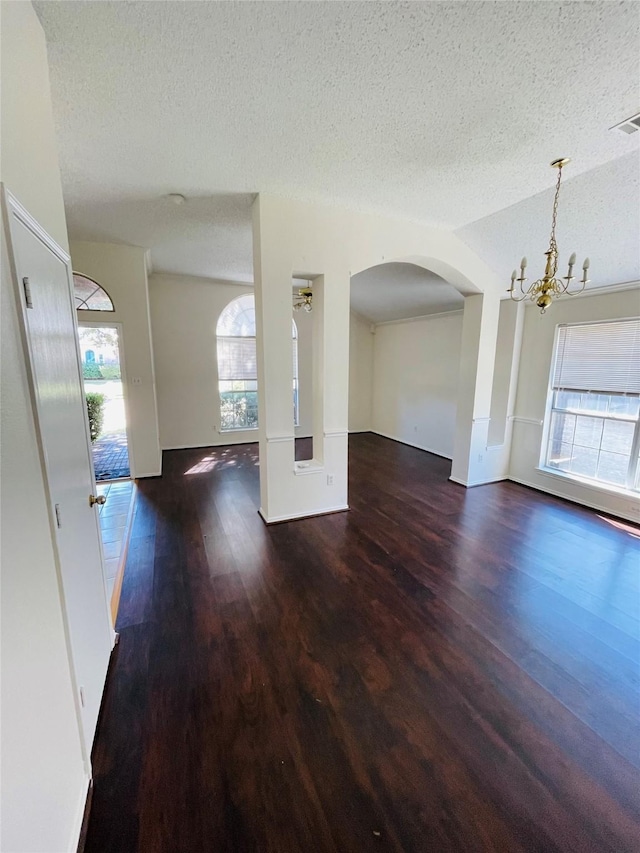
(407, 351)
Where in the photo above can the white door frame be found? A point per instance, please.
(113, 324)
(11, 207)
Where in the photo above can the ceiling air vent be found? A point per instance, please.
(629, 125)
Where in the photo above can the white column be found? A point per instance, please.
(477, 357)
(289, 490)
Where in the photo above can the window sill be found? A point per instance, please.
(308, 466)
(245, 429)
(605, 488)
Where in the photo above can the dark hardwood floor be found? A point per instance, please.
(438, 669)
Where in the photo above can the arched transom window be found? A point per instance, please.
(89, 295)
(237, 367)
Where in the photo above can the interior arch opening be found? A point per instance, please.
(405, 340)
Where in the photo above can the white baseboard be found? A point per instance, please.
(411, 444)
(460, 482)
(217, 444)
(478, 482)
(275, 519)
(588, 504)
(556, 493)
(211, 444)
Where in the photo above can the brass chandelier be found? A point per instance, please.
(303, 300)
(547, 288)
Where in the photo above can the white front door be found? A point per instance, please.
(44, 284)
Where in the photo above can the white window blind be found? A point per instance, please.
(237, 365)
(599, 357)
(237, 359)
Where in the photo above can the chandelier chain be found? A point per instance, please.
(552, 240)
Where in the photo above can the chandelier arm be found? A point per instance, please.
(521, 282)
(576, 292)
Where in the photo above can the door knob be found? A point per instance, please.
(101, 499)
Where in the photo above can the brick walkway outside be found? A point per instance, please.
(110, 457)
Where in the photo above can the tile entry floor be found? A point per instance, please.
(113, 525)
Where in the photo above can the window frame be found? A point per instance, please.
(296, 374)
(83, 304)
(632, 480)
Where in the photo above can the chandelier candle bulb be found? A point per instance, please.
(572, 259)
(585, 265)
(523, 264)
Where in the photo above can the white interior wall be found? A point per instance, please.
(29, 150)
(502, 373)
(184, 315)
(361, 340)
(503, 395)
(122, 271)
(533, 384)
(415, 381)
(44, 781)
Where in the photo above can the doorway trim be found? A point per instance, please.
(106, 324)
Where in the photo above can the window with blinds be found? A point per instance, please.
(237, 365)
(594, 427)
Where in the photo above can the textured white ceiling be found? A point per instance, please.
(396, 291)
(442, 112)
(598, 217)
(208, 236)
